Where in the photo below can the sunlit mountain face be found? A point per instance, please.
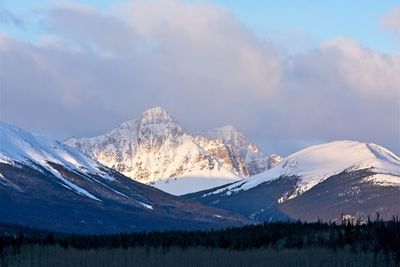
(155, 149)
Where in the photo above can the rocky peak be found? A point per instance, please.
(274, 160)
(230, 135)
(156, 115)
(157, 122)
(155, 146)
(251, 156)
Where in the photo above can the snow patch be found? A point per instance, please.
(7, 183)
(147, 206)
(383, 179)
(72, 186)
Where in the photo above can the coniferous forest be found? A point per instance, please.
(270, 244)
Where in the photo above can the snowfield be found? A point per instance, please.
(317, 163)
(185, 185)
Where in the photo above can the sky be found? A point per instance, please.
(288, 74)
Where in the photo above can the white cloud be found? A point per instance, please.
(391, 21)
(364, 69)
(100, 68)
(343, 90)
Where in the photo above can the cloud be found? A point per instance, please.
(391, 22)
(342, 90)
(87, 27)
(364, 70)
(94, 69)
(200, 39)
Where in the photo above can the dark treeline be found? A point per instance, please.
(374, 237)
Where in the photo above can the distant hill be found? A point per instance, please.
(329, 181)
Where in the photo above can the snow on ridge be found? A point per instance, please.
(147, 206)
(67, 184)
(5, 182)
(316, 163)
(19, 147)
(383, 179)
(24, 147)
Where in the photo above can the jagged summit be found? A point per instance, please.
(156, 115)
(234, 137)
(152, 116)
(157, 122)
(155, 147)
(254, 160)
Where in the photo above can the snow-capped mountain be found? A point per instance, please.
(363, 179)
(246, 158)
(150, 148)
(155, 149)
(47, 184)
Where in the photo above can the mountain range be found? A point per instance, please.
(155, 149)
(48, 185)
(121, 181)
(332, 181)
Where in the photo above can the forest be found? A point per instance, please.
(349, 243)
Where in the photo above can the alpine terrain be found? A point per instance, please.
(332, 181)
(155, 149)
(49, 185)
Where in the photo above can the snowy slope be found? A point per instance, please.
(190, 184)
(154, 148)
(317, 163)
(18, 147)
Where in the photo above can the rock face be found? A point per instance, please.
(150, 148)
(236, 150)
(218, 149)
(324, 181)
(48, 185)
(155, 148)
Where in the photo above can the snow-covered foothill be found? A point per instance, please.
(19, 147)
(316, 163)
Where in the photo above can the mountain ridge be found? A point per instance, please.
(155, 149)
(45, 183)
(343, 175)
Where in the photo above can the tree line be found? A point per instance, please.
(373, 236)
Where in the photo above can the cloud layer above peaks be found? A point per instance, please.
(92, 69)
